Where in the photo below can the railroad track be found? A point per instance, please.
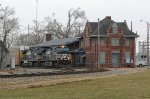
(48, 74)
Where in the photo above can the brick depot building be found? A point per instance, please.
(116, 43)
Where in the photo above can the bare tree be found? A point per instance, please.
(76, 19)
(9, 26)
(34, 35)
(37, 32)
(21, 39)
(53, 27)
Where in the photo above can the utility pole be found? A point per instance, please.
(36, 29)
(28, 34)
(36, 12)
(147, 44)
(98, 45)
(80, 25)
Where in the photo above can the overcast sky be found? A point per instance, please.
(119, 10)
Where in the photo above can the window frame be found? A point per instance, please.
(127, 42)
(102, 56)
(103, 41)
(115, 39)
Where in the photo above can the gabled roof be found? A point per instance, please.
(57, 42)
(93, 25)
(105, 24)
(127, 32)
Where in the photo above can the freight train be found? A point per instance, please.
(45, 56)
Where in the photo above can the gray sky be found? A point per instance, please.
(120, 10)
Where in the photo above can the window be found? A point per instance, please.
(103, 41)
(127, 57)
(115, 42)
(102, 57)
(127, 41)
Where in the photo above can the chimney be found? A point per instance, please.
(108, 17)
(48, 37)
(125, 21)
(136, 32)
(126, 24)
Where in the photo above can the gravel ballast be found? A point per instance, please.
(38, 81)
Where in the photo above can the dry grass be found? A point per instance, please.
(128, 86)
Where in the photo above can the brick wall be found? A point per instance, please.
(92, 57)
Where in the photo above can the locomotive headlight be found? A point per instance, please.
(62, 46)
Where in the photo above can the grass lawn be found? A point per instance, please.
(131, 86)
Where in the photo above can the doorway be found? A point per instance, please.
(115, 59)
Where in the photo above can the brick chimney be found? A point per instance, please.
(108, 17)
(48, 37)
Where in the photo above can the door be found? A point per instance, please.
(115, 59)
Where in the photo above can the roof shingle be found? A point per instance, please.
(57, 42)
(105, 24)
